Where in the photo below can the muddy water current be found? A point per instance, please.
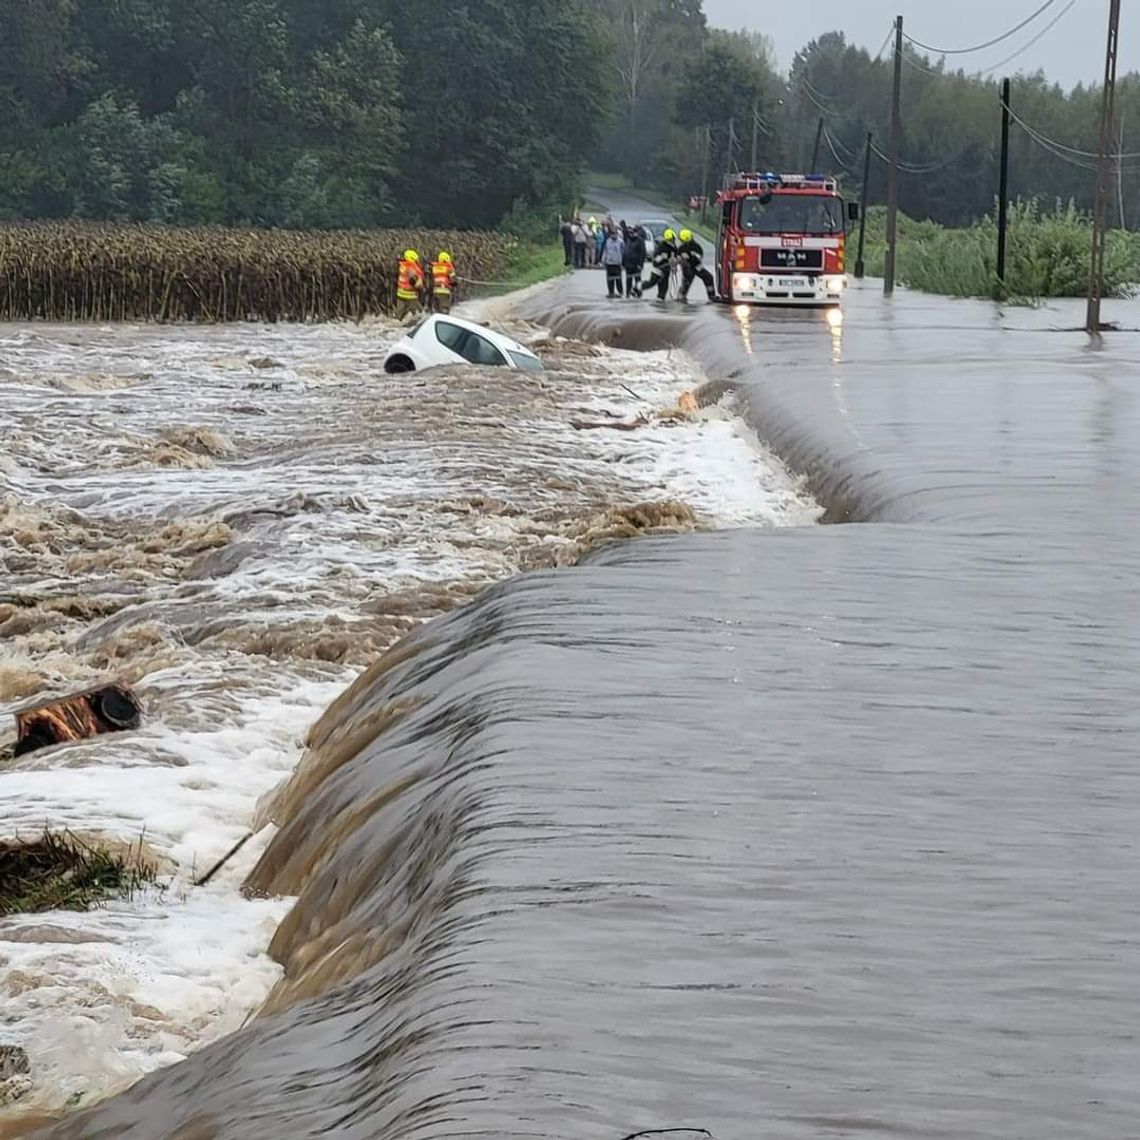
(237, 521)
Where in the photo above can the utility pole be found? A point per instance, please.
(756, 128)
(815, 149)
(1107, 115)
(1120, 175)
(1003, 191)
(893, 169)
(731, 148)
(863, 209)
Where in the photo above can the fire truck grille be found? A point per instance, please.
(791, 258)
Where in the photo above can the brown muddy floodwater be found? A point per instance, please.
(237, 521)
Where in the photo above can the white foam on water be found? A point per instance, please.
(133, 453)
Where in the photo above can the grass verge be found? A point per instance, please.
(528, 263)
(59, 871)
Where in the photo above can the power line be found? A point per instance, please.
(914, 65)
(1036, 131)
(842, 163)
(1021, 50)
(817, 104)
(989, 43)
(914, 168)
(879, 53)
(1055, 149)
(816, 91)
(839, 143)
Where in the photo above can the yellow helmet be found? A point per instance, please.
(668, 235)
(445, 257)
(686, 235)
(411, 255)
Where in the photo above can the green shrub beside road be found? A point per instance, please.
(1047, 255)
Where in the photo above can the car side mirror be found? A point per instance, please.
(852, 211)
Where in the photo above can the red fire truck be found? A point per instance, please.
(781, 239)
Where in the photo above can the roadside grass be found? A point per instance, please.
(60, 871)
(529, 262)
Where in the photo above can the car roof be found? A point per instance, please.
(501, 340)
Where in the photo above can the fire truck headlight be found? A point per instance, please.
(835, 284)
(745, 283)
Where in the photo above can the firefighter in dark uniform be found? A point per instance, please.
(662, 265)
(691, 255)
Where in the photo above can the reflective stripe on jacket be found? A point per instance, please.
(442, 276)
(410, 281)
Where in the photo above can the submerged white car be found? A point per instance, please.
(443, 339)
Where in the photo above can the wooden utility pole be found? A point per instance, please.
(893, 169)
(731, 146)
(1120, 175)
(863, 206)
(815, 149)
(1003, 187)
(1107, 115)
(755, 130)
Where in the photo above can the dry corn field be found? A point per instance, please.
(69, 271)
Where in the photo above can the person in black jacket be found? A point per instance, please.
(691, 256)
(662, 265)
(566, 229)
(633, 261)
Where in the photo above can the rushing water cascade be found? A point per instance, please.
(238, 520)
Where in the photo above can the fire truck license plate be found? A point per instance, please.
(793, 283)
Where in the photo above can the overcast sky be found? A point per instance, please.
(1071, 52)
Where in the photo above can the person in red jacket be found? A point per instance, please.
(442, 282)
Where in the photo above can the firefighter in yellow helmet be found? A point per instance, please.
(410, 284)
(661, 267)
(442, 282)
(690, 254)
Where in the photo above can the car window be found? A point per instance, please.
(451, 336)
(479, 350)
(525, 361)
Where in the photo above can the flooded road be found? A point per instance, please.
(802, 831)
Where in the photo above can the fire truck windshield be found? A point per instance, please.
(792, 214)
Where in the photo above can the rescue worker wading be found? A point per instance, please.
(662, 265)
(691, 256)
(442, 283)
(409, 284)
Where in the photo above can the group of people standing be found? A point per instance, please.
(412, 284)
(583, 241)
(621, 249)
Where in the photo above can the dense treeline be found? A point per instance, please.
(295, 112)
(691, 77)
(476, 113)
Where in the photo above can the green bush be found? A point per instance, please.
(1047, 255)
